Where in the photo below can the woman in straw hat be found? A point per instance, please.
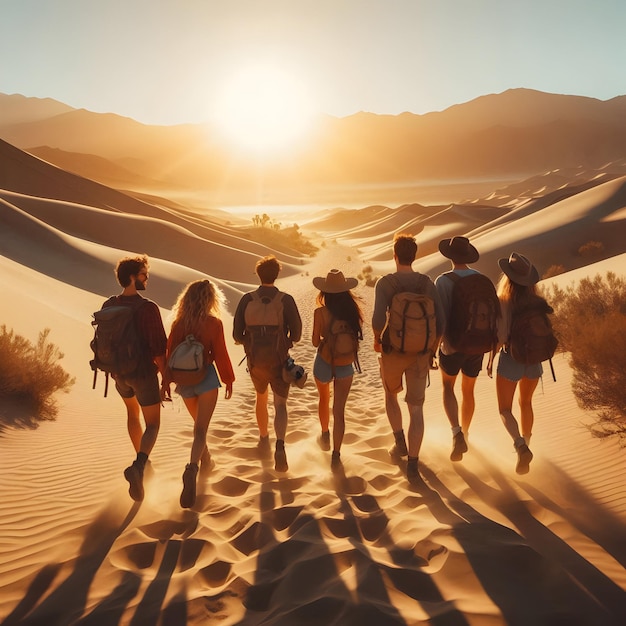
(335, 302)
(516, 290)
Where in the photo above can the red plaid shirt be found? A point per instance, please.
(149, 323)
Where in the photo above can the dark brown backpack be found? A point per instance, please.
(472, 325)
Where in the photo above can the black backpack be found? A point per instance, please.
(117, 346)
(472, 327)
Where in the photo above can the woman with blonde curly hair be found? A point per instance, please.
(197, 313)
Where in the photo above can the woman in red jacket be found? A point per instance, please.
(196, 313)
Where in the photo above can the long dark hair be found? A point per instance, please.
(344, 306)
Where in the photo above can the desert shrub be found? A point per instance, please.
(591, 248)
(367, 274)
(30, 375)
(590, 322)
(553, 270)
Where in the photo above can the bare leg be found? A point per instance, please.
(152, 417)
(394, 413)
(469, 403)
(506, 390)
(323, 404)
(527, 388)
(280, 419)
(416, 429)
(342, 389)
(261, 413)
(133, 424)
(201, 409)
(450, 404)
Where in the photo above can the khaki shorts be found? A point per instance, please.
(273, 376)
(394, 365)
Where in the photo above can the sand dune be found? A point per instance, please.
(472, 544)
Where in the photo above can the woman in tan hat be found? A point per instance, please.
(517, 291)
(337, 329)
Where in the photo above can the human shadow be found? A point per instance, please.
(148, 610)
(276, 595)
(66, 603)
(595, 595)
(111, 609)
(408, 577)
(604, 528)
(520, 573)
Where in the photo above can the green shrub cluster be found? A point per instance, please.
(590, 322)
(29, 376)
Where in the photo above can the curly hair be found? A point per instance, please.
(196, 302)
(130, 266)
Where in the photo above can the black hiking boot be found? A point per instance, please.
(188, 494)
(134, 475)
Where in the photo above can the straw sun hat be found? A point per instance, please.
(335, 282)
(519, 270)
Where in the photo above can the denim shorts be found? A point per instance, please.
(323, 370)
(510, 369)
(208, 383)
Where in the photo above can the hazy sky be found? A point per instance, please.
(167, 61)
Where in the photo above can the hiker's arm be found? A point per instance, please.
(379, 315)
(220, 354)
(239, 322)
(292, 318)
(317, 327)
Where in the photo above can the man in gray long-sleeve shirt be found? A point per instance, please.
(393, 364)
(262, 376)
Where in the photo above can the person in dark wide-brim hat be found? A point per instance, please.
(335, 304)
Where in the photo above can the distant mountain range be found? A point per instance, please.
(515, 134)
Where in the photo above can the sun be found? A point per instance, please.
(263, 110)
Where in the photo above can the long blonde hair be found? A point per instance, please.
(513, 296)
(199, 300)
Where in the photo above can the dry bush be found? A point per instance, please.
(591, 248)
(590, 322)
(553, 270)
(367, 274)
(29, 376)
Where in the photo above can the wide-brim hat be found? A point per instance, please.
(519, 270)
(458, 250)
(335, 282)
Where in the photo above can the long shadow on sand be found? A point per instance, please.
(67, 602)
(304, 558)
(533, 577)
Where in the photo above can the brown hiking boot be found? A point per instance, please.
(412, 471)
(524, 457)
(264, 447)
(459, 447)
(324, 440)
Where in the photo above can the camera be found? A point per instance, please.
(294, 374)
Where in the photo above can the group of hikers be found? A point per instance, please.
(418, 326)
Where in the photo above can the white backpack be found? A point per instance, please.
(186, 362)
